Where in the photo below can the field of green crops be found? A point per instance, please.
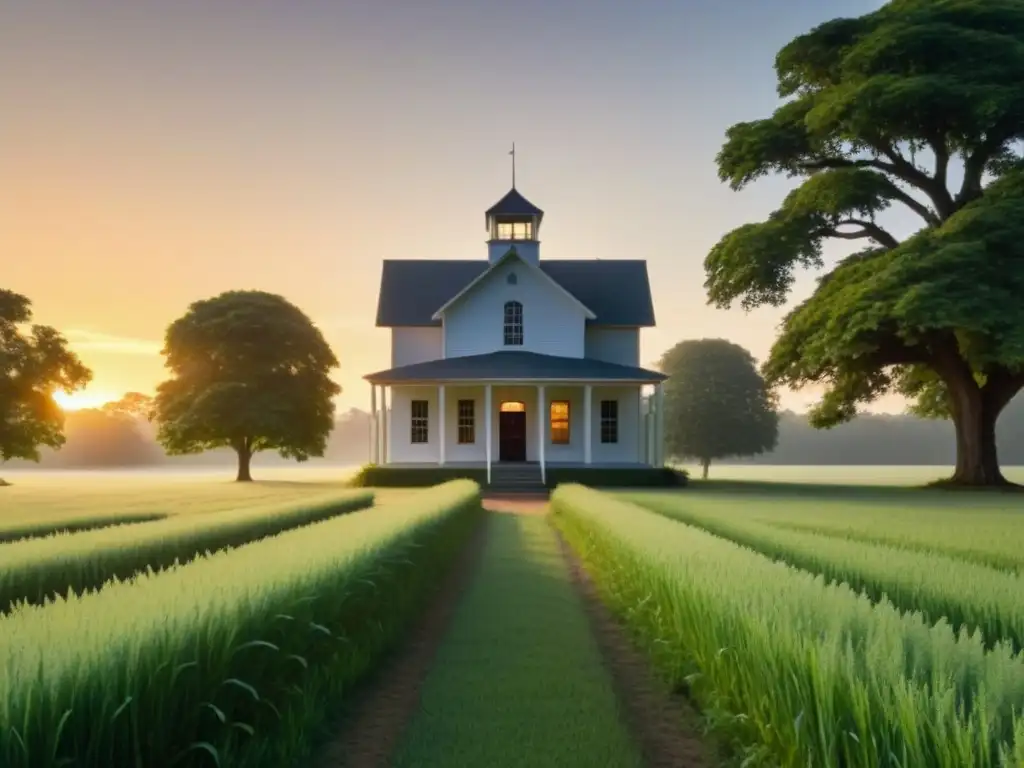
(188, 621)
(222, 633)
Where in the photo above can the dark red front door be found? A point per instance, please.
(512, 436)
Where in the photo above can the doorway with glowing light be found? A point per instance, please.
(512, 431)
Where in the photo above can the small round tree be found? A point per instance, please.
(32, 366)
(716, 403)
(250, 372)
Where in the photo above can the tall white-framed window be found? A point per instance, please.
(420, 421)
(513, 324)
(467, 422)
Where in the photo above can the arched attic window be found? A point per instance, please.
(513, 324)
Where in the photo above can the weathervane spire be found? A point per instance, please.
(513, 153)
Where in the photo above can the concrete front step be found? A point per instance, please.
(517, 479)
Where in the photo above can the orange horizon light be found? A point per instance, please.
(82, 399)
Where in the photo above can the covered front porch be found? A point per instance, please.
(572, 412)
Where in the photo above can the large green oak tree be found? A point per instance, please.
(34, 362)
(918, 106)
(250, 372)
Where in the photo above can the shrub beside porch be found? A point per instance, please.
(382, 476)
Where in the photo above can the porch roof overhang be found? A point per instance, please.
(520, 367)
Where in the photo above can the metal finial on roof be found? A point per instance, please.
(513, 153)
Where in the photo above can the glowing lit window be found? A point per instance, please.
(560, 422)
(515, 230)
(513, 407)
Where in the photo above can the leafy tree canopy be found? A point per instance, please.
(716, 403)
(133, 404)
(883, 111)
(250, 371)
(34, 362)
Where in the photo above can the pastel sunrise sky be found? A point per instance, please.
(156, 153)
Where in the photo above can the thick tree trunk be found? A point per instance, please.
(244, 461)
(704, 464)
(977, 460)
(975, 411)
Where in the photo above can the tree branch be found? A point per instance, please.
(823, 163)
(908, 172)
(975, 163)
(867, 229)
(1001, 385)
(941, 150)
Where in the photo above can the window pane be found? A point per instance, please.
(609, 421)
(419, 421)
(513, 329)
(467, 421)
(560, 422)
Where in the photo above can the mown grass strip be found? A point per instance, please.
(32, 570)
(961, 593)
(39, 528)
(798, 671)
(518, 680)
(230, 660)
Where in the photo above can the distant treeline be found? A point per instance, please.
(101, 439)
(884, 439)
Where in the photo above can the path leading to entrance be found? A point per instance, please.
(517, 663)
(519, 680)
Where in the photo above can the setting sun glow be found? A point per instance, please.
(76, 401)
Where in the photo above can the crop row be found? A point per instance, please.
(987, 536)
(228, 660)
(989, 540)
(32, 570)
(27, 529)
(963, 593)
(801, 671)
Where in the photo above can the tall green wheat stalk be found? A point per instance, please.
(33, 570)
(803, 673)
(231, 659)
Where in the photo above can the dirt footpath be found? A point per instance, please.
(369, 737)
(664, 725)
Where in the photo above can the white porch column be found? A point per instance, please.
(542, 437)
(487, 429)
(374, 453)
(387, 397)
(659, 430)
(441, 413)
(641, 437)
(588, 423)
(651, 405)
(383, 442)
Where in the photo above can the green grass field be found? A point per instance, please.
(815, 616)
(836, 475)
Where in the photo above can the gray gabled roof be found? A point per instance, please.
(515, 366)
(617, 291)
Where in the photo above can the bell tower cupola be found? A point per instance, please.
(513, 221)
